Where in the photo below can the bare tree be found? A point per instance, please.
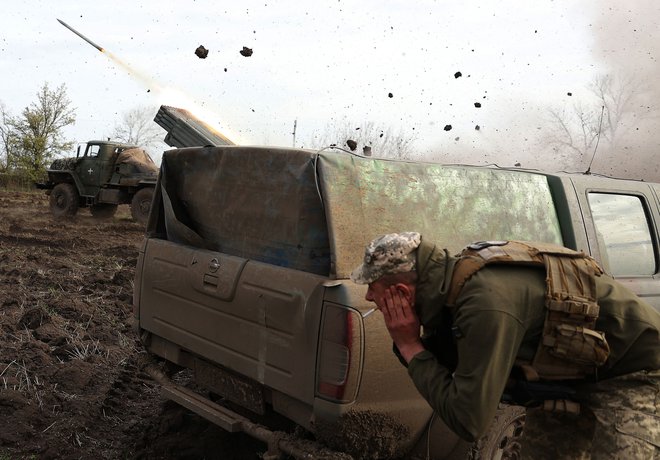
(138, 128)
(618, 105)
(379, 142)
(623, 102)
(32, 139)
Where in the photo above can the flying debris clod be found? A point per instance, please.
(247, 52)
(351, 144)
(201, 52)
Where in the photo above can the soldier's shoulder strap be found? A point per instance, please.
(477, 255)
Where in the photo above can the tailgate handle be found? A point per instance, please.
(210, 280)
(215, 275)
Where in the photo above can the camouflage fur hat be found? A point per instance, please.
(387, 255)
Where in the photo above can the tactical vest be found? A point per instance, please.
(570, 348)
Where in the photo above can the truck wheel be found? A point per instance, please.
(103, 210)
(64, 200)
(141, 204)
(502, 440)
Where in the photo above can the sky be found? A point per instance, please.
(388, 62)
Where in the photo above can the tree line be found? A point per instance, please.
(571, 135)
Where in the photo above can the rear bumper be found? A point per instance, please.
(278, 442)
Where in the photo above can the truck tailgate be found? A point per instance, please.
(247, 316)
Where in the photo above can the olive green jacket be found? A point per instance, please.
(498, 318)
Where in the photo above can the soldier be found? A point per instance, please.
(532, 324)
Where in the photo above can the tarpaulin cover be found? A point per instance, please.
(256, 203)
(139, 159)
(450, 206)
(263, 204)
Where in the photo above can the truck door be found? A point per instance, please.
(621, 220)
(89, 170)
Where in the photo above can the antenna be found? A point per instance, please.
(600, 127)
(295, 124)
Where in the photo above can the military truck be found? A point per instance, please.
(103, 175)
(243, 279)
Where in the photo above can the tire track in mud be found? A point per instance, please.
(75, 387)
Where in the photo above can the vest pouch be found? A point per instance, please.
(577, 344)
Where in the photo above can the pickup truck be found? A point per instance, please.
(243, 278)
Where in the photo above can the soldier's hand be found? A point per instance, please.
(402, 322)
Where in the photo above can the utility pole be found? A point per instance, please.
(295, 123)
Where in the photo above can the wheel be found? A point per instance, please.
(103, 210)
(141, 204)
(502, 441)
(64, 200)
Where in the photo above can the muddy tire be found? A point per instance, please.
(64, 200)
(502, 441)
(141, 205)
(103, 210)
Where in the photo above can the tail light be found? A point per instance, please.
(339, 366)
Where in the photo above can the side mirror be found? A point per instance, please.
(78, 152)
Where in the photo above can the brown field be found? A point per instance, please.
(71, 379)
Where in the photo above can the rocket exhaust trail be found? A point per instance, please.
(80, 35)
(147, 81)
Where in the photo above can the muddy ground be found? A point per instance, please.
(72, 384)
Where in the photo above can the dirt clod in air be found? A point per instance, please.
(365, 435)
(569, 93)
(458, 74)
(447, 127)
(247, 52)
(366, 151)
(201, 52)
(351, 144)
(390, 95)
(477, 104)
(477, 127)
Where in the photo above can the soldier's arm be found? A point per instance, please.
(467, 399)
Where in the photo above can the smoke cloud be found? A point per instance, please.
(627, 41)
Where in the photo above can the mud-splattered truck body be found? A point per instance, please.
(101, 176)
(243, 277)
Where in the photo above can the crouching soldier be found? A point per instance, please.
(532, 324)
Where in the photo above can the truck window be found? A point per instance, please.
(93, 151)
(624, 233)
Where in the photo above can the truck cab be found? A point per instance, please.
(96, 164)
